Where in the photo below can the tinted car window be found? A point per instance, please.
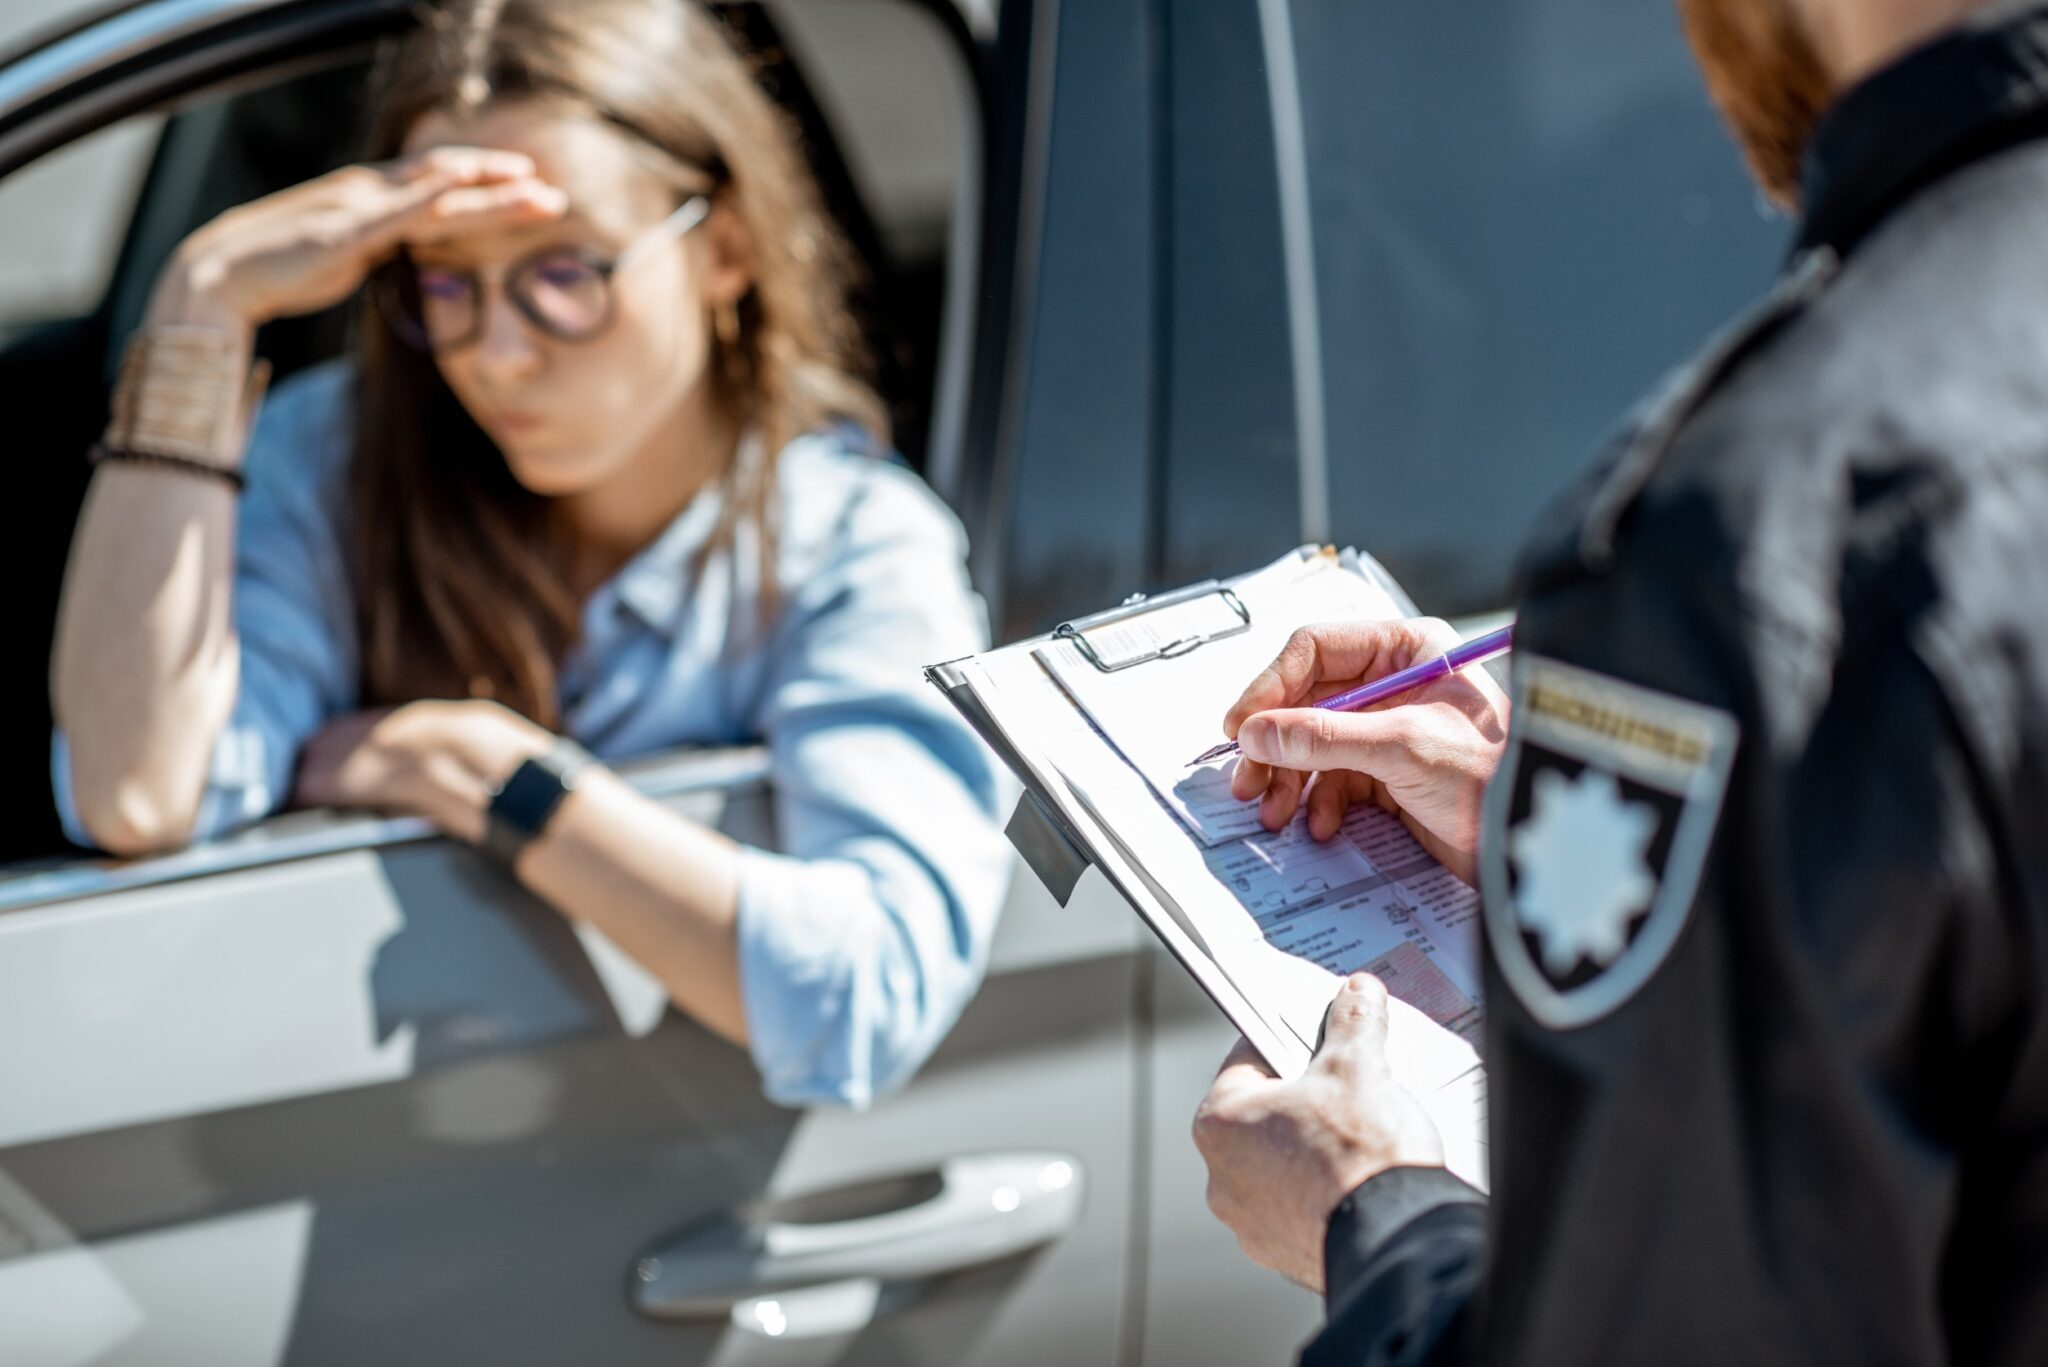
(1231, 497)
(87, 228)
(1159, 434)
(1078, 483)
(1524, 211)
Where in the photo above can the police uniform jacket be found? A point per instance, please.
(1766, 866)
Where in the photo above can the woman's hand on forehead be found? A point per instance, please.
(310, 246)
(475, 190)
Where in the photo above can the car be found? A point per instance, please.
(1162, 288)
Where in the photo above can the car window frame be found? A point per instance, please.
(311, 834)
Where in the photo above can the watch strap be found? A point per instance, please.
(526, 801)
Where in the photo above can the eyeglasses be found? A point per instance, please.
(566, 292)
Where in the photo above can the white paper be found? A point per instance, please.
(1286, 942)
(1296, 915)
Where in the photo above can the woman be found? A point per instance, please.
(599, 465)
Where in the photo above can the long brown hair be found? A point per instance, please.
(462, 584)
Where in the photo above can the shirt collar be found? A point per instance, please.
(654, 584)
(1965, 96)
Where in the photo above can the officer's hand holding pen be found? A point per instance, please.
(1426, 757)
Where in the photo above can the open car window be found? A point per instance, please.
(882, 98)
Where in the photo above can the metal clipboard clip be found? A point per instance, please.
(1121, 649)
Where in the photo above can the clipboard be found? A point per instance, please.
(1090, 636)
(1054, 829)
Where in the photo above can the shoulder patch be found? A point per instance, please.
(1598, 825)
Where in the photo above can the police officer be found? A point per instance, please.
(1764, 835)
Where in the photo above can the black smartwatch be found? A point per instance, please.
(525, 802)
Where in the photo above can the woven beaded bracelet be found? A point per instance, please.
(226, 474)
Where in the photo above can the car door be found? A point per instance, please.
(335, 1090)
(1314, 270)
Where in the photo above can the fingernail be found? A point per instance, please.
(1255, 739)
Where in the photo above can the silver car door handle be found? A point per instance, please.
(817, 1263)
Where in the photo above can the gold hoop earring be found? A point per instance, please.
(725, 321)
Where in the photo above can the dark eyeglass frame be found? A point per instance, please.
(396, 289)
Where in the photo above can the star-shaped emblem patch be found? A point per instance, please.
(1582, 864)
(1599, 826)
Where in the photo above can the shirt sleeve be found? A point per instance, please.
(293, 611)
(860, 943)
(1403, 1263)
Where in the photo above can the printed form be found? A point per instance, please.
(1284, 915)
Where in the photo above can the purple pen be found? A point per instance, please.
(1475, 651)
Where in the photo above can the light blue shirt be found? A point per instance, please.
(859, 942)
